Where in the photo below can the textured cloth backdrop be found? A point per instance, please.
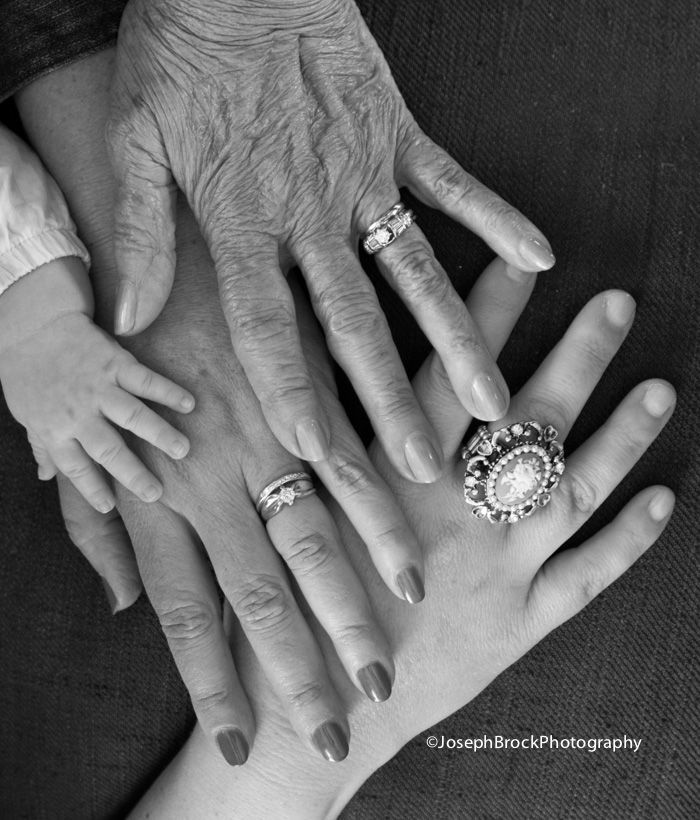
(584, 114)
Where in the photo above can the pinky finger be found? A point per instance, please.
(571, 579)
(84, 475)
(143, 382)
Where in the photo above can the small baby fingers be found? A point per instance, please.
(128, 412)
(70, 458)
(143, 382)
(105, 446)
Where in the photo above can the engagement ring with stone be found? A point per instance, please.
(511, 472)
(388, 228)
(282, 492)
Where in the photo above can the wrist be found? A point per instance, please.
(50, 291)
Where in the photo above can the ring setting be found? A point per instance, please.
(388, 228)
(283, 491)
(512, 472)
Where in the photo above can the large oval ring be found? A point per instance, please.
(388, 228)
(283, 491)
(512, 472)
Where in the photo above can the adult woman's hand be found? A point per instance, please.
(497, 589)
(282, 124)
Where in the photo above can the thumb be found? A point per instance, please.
(144, 233)
(104, 541)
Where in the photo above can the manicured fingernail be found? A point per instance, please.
(111, 596)
(187, 404)
(657, 400)
(331, 741)
(424, 461)
(619, 308)
(151, 493)
(411, 585)
(233, 746)
(375, 681)
(661, 505)
(312, 440)
(536, 254)
(126, 308)
(179, 448)
(490, 400)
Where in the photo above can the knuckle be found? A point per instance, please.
(592, 581)
(549, 409)
(206, 700)
(418, 274)
(263, 605)
(464, 344)
(353, 315)
(134, 416)
(109, 453)
(185, 623)
(77, 471)
(349, 477)
(499, 215)
(305, 694)
(451, 185)
(580, 495)
(258, 324)
(309, 555)
(353, 634)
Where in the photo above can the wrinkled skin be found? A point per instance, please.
(283, 126)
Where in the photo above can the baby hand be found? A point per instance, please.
(65, 383)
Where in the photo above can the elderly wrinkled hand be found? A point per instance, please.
(281, 123)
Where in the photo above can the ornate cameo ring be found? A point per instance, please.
(512, 472)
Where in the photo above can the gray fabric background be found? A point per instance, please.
(585, 115)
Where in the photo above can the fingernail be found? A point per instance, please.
(536, 254)
(104, 505)
(151, 493)
(375, 681)
(619, 308)
(187, 404)
(411, 585)
(233, 746)
(657, 400)
(331, 741)
(490, 402)
(661, 505)
(126, 308)
(111, 596)
(424, 461)
(179, 448)
(312, 440)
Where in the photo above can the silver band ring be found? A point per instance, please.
(283, 491)
(388, 228)
(512, 472)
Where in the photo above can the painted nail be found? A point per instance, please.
(126, 308)
(312, 440)
(331, 741)
(179, 448)
(490, 401)
(619, 308)
(233, 746)
(111, 596)
(536, 254)
(661, 505)
(151, 493)
(657, 400)
(375, 681)
(411, 585)
(424, 461)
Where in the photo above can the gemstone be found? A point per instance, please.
(516, 429)
(287, 495)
